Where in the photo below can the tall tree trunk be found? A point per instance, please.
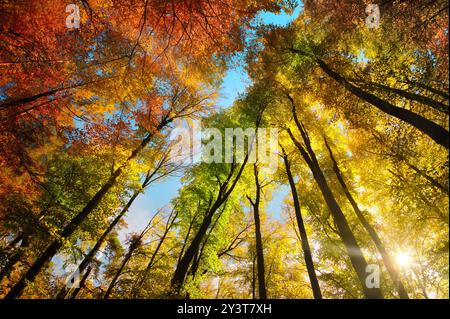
(183, 265)
(262, 293)
(301, 227)
(198, 257)
(439, 134)
(354, 251)
(186, 238)
(372, 232)
(53, 248)
(138, 284)
(135, 243)
(425, 100)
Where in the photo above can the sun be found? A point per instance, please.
(403, 259)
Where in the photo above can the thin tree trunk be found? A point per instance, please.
(430, 89)
(439, 106)
(372, 232)
(149, 266)
(135, 243)
(185, 261)
(133, 246)
(188, 233)
(169, 225)
(198, 257)
(262, 293)
(218, 289)
(90, 256)
(430, 179)
(303, 235)
(53, 248)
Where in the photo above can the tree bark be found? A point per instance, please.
(53, 248)
(169, 225)
(431, 180)
(425, 100)
(253, 278)
(354, 251)
(439, 134)
(82, 284)
(303, 235)
(262, 293)
(196, 263)
(433, 90)
(90, 256)
(372, 232)
(133, 246)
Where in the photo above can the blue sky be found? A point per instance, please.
(160, 194)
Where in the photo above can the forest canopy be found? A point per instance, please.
(326, 177)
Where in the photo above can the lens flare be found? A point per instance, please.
(403, 259)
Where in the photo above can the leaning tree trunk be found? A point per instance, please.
(185, 261)
(133, 246)
(303, 235)
(425, 100)
(139, 282)
(372, 232)
(196, 263)
(439, 134)
(353, 249)
(147, 270)
(183, 265)
(51, 250)
(90, 256)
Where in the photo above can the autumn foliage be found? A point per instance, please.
(86, 116)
